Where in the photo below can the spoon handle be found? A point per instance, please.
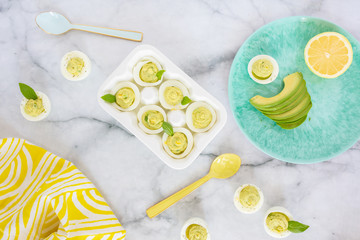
(169, 201)
(125, 34)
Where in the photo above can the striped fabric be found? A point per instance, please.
(43, 196)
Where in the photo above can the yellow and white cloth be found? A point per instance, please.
(43, 196)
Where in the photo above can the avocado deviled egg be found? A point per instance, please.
(148, 72)
(195, 229)
(248, 198)
(125, 96)
(151, 119)
(35, 106)
(200, 116)
(177, 142)
(75, 66)
(172, 94)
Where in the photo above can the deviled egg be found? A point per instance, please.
(75, 66)
(179, 144)
(127, 96)
(263, 69)
(276, 222)
(195, 228)
(35, 109)
(248, 198)
(200, 116)
(148, 72)
(171, 94)
(151, 118)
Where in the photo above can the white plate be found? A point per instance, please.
(129, 120)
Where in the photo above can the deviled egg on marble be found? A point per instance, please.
(248, 198)
(276, 222)
(200, 116)
(178, 142)
(151, 118)
(75, 66)
(172, 93)
(195, 229)
(35, 106)
(148, 72)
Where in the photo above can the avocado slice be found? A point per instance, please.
(292, 125)
(293, 112)
(296, 117)
(290, 106)
(296, 96)
(292, 83)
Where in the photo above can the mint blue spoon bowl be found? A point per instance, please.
(333, 123)
(55, 23)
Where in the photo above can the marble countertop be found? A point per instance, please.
(201, 37)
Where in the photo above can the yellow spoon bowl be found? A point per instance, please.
(224, 166)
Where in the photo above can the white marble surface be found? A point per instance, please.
(201, 37)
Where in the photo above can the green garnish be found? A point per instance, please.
(159, 74)
(27, 91)
(168, 129)
(109, 98)
(146, 118)
(185, 100)
(297, 227)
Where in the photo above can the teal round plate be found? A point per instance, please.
(333, 123)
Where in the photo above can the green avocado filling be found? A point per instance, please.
(34, 107)
(125, 97)
(152, 119)
(148, 72)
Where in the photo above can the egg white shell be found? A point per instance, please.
(189, 147)
(149, 95)
(128, 84)
(274, 74)
(243, 209)
(137, 68)
(281, 210)
(191, 109)
(172, 83)
(197, 221)
(85, 71)
(176, 118)
(46, 103)
(145, 109)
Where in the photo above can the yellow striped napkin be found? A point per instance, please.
(43, 196)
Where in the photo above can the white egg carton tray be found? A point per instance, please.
(129, 119)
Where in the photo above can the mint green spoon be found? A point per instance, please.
(55, 23)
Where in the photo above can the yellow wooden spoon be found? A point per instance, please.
(224, 166)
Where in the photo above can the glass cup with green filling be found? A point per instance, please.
(263, 69)
(200, 116)
(276, 222)
(127, 96)
(179, 144)
(172, 93)
(148, 72)
(151, 118)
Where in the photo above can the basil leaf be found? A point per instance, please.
(168, 129)
(146, 118)
(159, 74)
(185, 100)
(297, 227)
(27, 91)
(109, 98)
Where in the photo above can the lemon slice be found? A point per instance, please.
(328, 54)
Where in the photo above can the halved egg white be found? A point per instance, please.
(189, 112)
(244, 209)
(191, 221)
(189, 147)
(145, 109)
(128, 84)
(172, 83)
(281, 210)
(85, 71)
(46, 103)
(139, 65)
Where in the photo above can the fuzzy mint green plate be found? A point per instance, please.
(333, 123)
